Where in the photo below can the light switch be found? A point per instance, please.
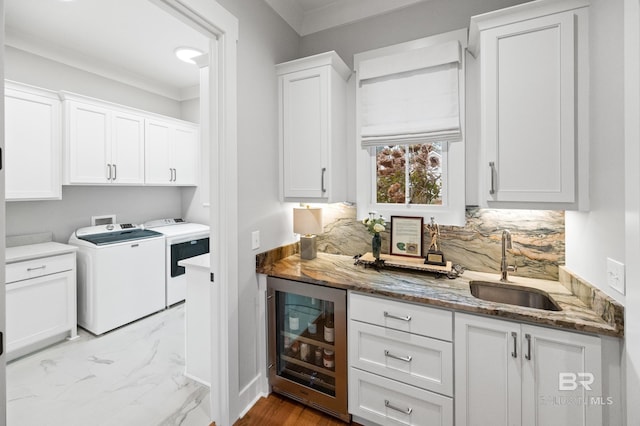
(615, 275)
(255, 240)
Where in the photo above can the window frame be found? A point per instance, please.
(452, 209)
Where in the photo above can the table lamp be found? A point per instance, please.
(307, 221)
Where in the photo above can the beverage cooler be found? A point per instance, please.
(308, 344)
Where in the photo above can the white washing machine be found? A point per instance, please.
(120, 275)
(183, 240)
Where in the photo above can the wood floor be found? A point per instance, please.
(276, 410)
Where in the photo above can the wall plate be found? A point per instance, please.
(615, 275)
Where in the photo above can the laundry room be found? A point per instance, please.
(118, 163)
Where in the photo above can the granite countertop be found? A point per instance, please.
(340, 272)
(37, 251)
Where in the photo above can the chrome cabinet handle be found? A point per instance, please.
(515, 344)
(170, 175)
(528, 355)
(115, 172)
(36, 268)
(175, 175)
(322, 188)
(393, 407)
(407, 358)
(388, 315)
(492, 165)
(108, 171)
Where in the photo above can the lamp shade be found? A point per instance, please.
(307, 221)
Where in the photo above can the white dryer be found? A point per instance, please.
(120, 275)
(183, 241)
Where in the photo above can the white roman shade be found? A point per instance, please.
(411, 97)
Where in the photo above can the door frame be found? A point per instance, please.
(3, 337)
(213, 20)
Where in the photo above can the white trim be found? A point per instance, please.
(631, 365)
(516, 13)
(3, 356)
(250, 394)
(210, 18)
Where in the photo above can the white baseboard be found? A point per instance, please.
(250, 394)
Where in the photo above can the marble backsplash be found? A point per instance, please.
(538, 239)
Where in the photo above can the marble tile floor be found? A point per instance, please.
(130, 376)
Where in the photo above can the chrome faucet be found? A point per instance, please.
(504, 267)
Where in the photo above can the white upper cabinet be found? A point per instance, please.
(312, 109)
(106, 143)
(32, 143)
(533, 112)
(171, 153)
(102, 144)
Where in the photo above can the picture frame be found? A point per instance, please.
(406, 236)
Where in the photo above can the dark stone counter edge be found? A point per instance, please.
(613, 322)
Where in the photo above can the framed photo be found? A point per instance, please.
(406, 236)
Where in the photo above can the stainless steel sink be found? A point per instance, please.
(513, 295)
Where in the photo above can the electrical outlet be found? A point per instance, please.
(255, 240)
(615, 275)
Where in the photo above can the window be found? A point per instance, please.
(410, 116)
(409, 174)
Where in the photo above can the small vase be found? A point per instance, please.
(376, 243)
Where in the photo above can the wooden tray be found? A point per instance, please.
(403, 262)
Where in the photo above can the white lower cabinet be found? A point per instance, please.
(41, 303)
(396, 376)
(513, 374)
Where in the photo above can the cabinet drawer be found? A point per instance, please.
(387, 402)
(38, 267)
(416, 360)
(409, 317)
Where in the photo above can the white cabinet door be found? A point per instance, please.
(157, 147)
(487, 371)
(171, 153)
(312, 128)
(529, 77)
(89, 150)
(127, 148)
(552, 355)
(185, 155)
(33, 148)
(40, 308)
(305, 115)
(528, 375)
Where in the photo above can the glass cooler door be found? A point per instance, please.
(308, 343)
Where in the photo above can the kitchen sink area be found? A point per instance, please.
(513, 295)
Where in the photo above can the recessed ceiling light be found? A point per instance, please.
(186, 54)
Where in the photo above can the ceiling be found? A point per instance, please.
(310, 16)
(132, 41)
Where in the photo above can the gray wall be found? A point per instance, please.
(600, 233)
(417, 21)
(79, 203)
(264, 40)
(38, 71)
